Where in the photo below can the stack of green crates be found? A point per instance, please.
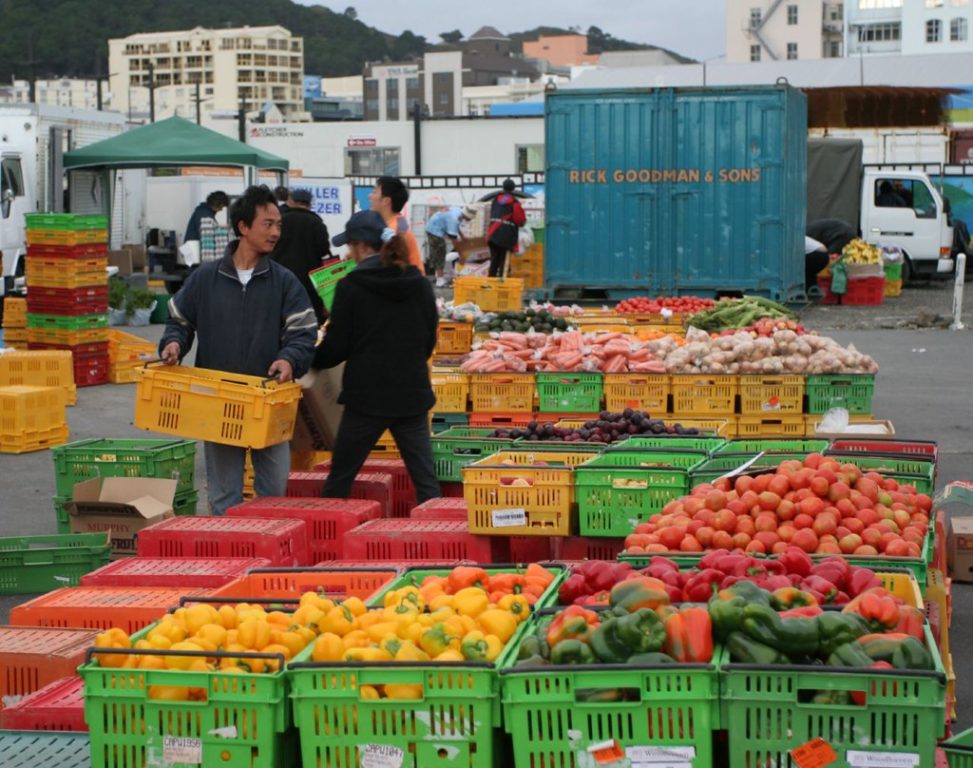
(109, 457)
(36, 564)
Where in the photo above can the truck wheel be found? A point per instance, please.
(906, 271)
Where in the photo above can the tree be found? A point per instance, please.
(451, 37)
(596, 40)
(351, 13)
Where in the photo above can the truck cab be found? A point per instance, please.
(904, 209)
(14, 203)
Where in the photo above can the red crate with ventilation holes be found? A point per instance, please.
(55, 707)
(397, 540)
(204, 572)
(282, 542)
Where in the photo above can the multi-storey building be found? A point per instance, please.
(772, 30)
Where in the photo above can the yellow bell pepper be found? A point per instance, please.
(477, 646)
(272, 665)
(498, 622)
(339, 620)
(413, 632)
(215, 633)
(369, 692)
(370, 619)
(315, 600)
(328, 647)
(378, 632)
(410, 652)
(169, 692)
(279, 617)
(450, 654)
(357, 638)
(367, 654)
(355, 605)
(292, 641)
(182, 662)
(438, 639)
(440, 601)
(228, 617)
(253, 633)
(198, 615)
(403, 691)
(151, 662)
(471, 601)
(515, 604)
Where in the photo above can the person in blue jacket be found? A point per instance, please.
(215, 202)
(250, 316)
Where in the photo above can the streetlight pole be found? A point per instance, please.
(151, 92)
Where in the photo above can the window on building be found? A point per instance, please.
(958, 30)
(392, 99)
(754, 53)
(755, 16)
(792, 51)
(834, 50)
(11, 180)
(791, 15)
(372, 161)
(934, 31)
(530, 158)
(873, 5)
(879, 33)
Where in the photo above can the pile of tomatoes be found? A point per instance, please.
(683, 305)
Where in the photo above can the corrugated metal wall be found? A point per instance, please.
(676, 191)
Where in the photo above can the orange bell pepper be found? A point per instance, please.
(689, 635)
(468, 576)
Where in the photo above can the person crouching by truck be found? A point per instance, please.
(383, 327)
(251, 316)
(506, 218)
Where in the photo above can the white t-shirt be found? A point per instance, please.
(244, 275)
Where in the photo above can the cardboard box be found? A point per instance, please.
(960, 547)
(121, 505)
(130, 260)
(137, 256)
(318, 412)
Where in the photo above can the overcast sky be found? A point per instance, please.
(694, 28)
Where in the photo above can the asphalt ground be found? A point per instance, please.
(924, 388)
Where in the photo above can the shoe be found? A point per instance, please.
(440, 282)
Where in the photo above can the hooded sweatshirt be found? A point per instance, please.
(383, 327)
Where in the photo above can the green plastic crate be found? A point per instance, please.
(569, 392)
(33, 564)
(109, 457)
(325, 279)
(958, 749)
(911, 471)
(458, 446)
(184, 504)
(671, 705)
(853, 392)
(717, 466)
(443, 421)
(538, 234)
(244, 721)
(706, 443)
(767, 711)
(615, 493)
(44, 749)
(70, 221)
(67, 322)
(893, 271)
(772, 445)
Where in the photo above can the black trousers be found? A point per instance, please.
(498, 256)
(814, 262)
(358, 434)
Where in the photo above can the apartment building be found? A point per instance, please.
(59, 92)
(775, 30)
(560, 50)
(908, 26)
(255, 66)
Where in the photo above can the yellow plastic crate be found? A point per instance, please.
(452, 391)
(724, 427)
(893, 289)
(507, 495)
(453, 338)
(15, 337)
(248, 477)
(502, 392)
(771, 426)
(31, 409)
(40, 440)
(303, 461)
(14, 312)
(202, 404)
(491, 294)
(765, 395)
(123, 373)
(51, 274)
(66, 237)
(129, 348)
(385, 448)
(695, 395)
(40, 368)
(66, 338)
(641, 391)
(616, 324)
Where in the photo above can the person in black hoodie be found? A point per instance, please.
(383, 327)
(303, 244)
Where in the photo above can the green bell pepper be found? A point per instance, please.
(746, 650)
(531, 646)
(641, 631)
(571, 651)
(532, 661)
(795, 637)
(837, 629)
(726, 607)
(651, 659)
(607, 645)
(912, 654)
(849, 655)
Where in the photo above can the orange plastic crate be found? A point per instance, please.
(130, 608)
(194, 572)
(291, 583)
(500, 420)
(32, 657)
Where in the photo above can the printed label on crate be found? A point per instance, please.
(816, 753)
(508, 518)
(177, 749)
(381, 756)
(773, 404)
(658, 757)
(859, 759)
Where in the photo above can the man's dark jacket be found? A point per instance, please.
(303, 244)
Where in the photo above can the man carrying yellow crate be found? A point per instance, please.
(253, 317)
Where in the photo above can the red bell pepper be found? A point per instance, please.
(573, 588)
(702, 586)
(775, 582)
(804, 612)
(816, 583)
(796, 560)
(598, 598)
(689, 635)
(835, 569)
(877, 607)
(911, 621)
(658, 566)
(861, 580)
(712, 559)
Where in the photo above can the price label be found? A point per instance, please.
(816, 753)
(508, 518)
(606, 752)
(656, 757)
(858, 759)
(177, 749)
(381, 756)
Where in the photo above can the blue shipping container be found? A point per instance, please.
(676, 191)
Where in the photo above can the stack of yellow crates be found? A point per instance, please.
(15, 322)
(40, 368)
(32, 418)
(126, 353)
(529, 266)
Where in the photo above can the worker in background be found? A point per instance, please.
(824, 237)
(282, 194)
(442, 225)
(215, 202)
(887, 197)
(388, 197)
(303, 244)
(506, 218)
(251, 316)
(383, 327)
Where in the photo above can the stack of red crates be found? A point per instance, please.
(67, 290)
(282, 542)
(370, 486)
(58, 706)
(403, 491)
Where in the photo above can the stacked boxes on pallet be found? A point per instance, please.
(67, 290)
(15, 322)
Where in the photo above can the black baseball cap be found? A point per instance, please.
(301, 196)
(365, 226)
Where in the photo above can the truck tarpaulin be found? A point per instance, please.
(834, 179)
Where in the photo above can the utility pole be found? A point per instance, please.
(32, 83)
(98, 81)
(242, 120)
(151, 92)
(198, 116)
(417, 135)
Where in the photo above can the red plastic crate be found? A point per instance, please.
(92, 300)
(368, 485)
(327, 520)
(400, 565)
(403, 491)
(824, 285)
(866, 291)
(499, 420)
(130, 608)
(397, 540)
(58, 706)
(203, 572)
(530, 549)
(451, 490)
(924, 448)
(91, 367)
(441, 509)
(85, 251)
(32, 657)
(587, 548)
(282, 542)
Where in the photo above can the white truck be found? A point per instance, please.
(33, 140)
(889, 206)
